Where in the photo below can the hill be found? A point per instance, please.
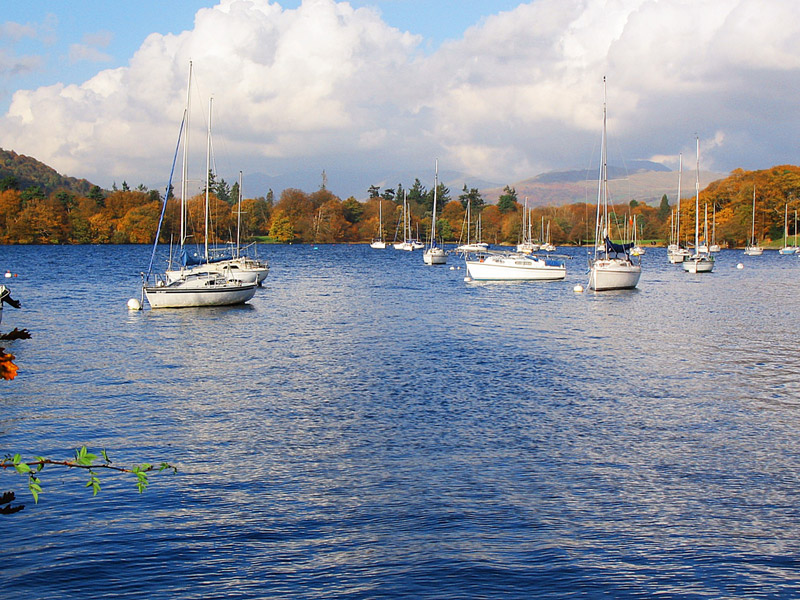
(29, 172)
(647, 184)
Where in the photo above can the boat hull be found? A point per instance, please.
(199, 292)
(613, 274)
(515, 268)
(698, 265)
(241, 269)
(753, 251)
(434, 256)
(378, 245)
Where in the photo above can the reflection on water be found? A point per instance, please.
(370, 427)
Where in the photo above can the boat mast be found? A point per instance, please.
(185, 165)
(239, 217)
(602, 190)
(697, 201)
(678, 219)
(208, 172)
(753, 226)
(435, 188)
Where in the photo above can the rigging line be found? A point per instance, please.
(166, 197)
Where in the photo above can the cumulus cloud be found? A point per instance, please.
(329, 86)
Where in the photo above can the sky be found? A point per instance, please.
(373, 92)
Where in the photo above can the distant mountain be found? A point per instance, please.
(30, 172)
(642, 181)
(357, 183)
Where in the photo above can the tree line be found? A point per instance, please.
(28, 215)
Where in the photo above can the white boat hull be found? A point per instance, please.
(378, 245)
(515, 268)
(434, 256)
(701, 264)
(199, 290)
(241, 269)
(613, 274)
(753, 251)
(788, 250)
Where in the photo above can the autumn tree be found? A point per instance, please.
(281, 230)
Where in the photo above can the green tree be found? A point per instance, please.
(508, 200)
(374, 191)
(664, 208)
(10, 182)
(97, 195)
(471, 196)
(352, 210)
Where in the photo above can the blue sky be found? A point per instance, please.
(117, 29)
(374, 91)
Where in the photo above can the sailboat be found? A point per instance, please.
(378, 243)
(787, 249)
(753, 249)
(714, 247)
(194, 287)
(546, 245)
(527, 245)
(408, 244)
(471, 246)
(700, 261)
(637, 249)
(434, 255)
(607, 272)
(675, 252)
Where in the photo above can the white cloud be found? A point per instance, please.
(329, 86)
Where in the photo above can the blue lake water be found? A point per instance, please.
(369, 427)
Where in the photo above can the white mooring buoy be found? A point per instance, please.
(578, 289)
(134, 304)
(740, 266)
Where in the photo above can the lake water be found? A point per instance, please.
(369, 427)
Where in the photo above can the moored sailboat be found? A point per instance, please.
(611, 268)
(701, 261)
(434, 255)
(195, 287)
(753, 249)
(787, 249)
(378, 242)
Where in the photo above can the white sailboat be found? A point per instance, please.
(787, 249)
(527, 245)
(637, 249)
(513, 266)
(378, 243)
(700, 261)
(471, 246)
(434, 255)
(408, 244)
(753, 249)
(195, 287)
(240, 265)
(714, 247)
(607, 272)
(676, 253)
(547, 246)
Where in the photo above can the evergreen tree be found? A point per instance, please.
(508, 201)
(664, 208)
(472, 196)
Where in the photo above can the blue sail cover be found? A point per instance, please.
(617, 248)
(191, 259)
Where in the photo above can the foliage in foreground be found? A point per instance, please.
(83, 460)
